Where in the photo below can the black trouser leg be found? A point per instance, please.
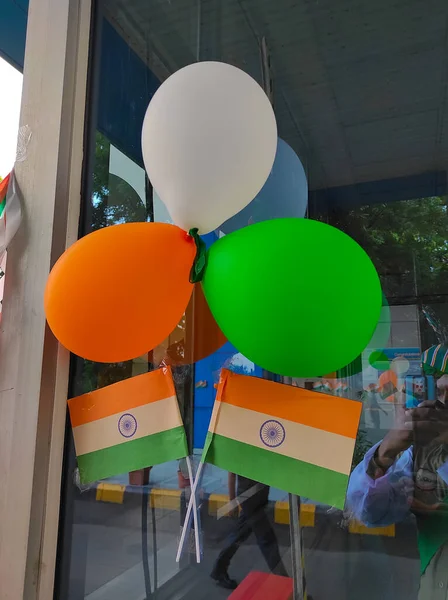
(267, 541)
(233, 542)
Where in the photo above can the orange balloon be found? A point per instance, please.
(118, 292)
(195, 337)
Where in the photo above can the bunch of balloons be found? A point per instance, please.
(293, 295)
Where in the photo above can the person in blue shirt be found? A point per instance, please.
(408, 472)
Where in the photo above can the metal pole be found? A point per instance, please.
(298, 569)
(198, 31)
(296, 547)
(294, 501)
(266, 70)
(145, 559)
(154, 548)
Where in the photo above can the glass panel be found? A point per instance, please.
(359, 94)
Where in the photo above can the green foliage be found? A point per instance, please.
(407, 241)
(113, 199)
(362, 445)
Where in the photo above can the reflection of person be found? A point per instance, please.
(252, 498)
(408, 471)
(370, 399)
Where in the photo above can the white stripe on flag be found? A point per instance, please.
(144, 420)
(301, 442)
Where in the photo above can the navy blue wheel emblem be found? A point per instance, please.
(127, 425)
(272, 434)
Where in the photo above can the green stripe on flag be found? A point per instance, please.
(277, 470)
(133, 455)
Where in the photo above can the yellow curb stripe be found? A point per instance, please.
(307, 514)
(215, 502)
(281, 513)
(110, 492)
(359, 528)
(169, 499)
(165, 499)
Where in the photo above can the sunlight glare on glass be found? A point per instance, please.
(10, 99)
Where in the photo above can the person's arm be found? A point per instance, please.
(377, 495)
(381, 487)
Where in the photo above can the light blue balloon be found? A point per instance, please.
(285, 193)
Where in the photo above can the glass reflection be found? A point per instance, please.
(251, 498)
(360, 116)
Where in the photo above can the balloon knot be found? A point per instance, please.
(200, 260)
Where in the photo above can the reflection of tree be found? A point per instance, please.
(98, 375)
(113, 199)
(407, 241)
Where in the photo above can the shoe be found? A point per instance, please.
(223, 580)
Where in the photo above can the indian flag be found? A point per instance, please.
(286, 437)
(127, 426)
(3, 189)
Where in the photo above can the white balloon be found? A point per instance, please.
(209, 140)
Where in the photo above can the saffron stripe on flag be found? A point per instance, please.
(133, 455)
(276, 470)
(149, 419)
(122, 396)
(333, 414)
(299, 441)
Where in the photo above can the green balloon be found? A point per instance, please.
(297, 297)
(379, 339)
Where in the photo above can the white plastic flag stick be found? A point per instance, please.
(195, 511)
(187, 516)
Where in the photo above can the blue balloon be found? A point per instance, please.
(285, 193)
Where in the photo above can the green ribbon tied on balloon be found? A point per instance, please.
(200, 260)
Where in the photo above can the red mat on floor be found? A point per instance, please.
(263, 586)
